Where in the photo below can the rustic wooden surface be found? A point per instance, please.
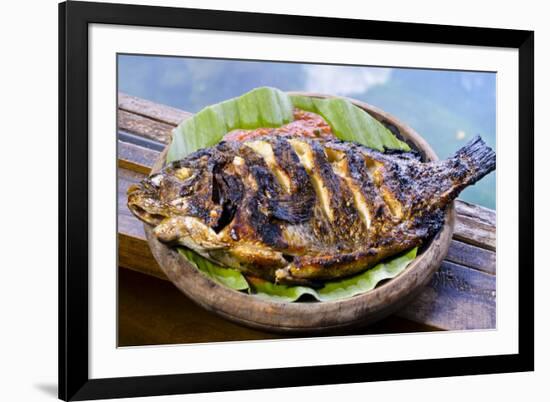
(461, 294)
(153, 311)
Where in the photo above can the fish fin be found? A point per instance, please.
(330, 266)
(480, 157)
(290, 210)
(305, 269)
(444, 180)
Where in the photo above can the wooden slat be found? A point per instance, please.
(132, 255)
(472, 256)
(145, 127)
(151, 110)
(476, 225)
(137, 155)
(135, 158)
(173, 318)
(457, 298)
(471, 230)
(482, 214)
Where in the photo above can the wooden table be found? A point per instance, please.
(461, 295)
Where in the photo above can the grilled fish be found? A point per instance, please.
(300, 210)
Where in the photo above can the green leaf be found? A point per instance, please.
(226, 276)
(261, 107)
(366, 280)
(270, 107)
(270, 291)
(303, 102)
(350, 123)
(332, 290)
(336, 289)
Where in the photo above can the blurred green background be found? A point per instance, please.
(446, 107)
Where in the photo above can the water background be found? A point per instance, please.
(447, 108)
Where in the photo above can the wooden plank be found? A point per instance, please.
(457, 298)
(476, 225)
(472, 257)
(132, 255)
(482, 214)
(471, 230)
(135, 158)
(151, 110)
(143, 126)
(173, 318)
(138, 156)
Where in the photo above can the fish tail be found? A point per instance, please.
(467, 166)
(480, 158)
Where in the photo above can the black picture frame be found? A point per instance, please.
(74, 19)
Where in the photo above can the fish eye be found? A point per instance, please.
(156, 180)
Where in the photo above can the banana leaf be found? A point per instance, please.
(349, 123)
(270, 107)
(226, 276)
(261, 107)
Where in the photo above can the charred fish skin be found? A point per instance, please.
(298, 210)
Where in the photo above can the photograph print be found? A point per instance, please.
(264, 200)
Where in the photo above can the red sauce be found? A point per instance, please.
(305, 124)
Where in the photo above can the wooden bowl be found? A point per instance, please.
(313, 317)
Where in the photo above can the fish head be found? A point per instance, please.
(183, 202)
(144, 201)
(182, 188)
